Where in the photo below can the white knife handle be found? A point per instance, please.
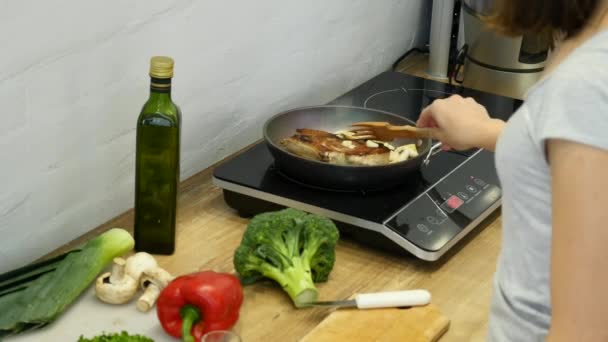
(393, 299)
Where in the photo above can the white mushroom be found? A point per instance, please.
(348, 143)
(153, 281)
(116, 287)
(371, 144)
(120, 285)
(138, 263)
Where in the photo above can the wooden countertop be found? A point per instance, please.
(208, 232)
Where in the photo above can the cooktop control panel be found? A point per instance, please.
(445, 210)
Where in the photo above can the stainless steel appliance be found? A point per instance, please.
(495, 63)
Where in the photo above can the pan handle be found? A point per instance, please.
(436, 148)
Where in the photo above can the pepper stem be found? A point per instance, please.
(190, 316)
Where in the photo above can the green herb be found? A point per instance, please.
(30, 305)
(293, 248)
(116, 337)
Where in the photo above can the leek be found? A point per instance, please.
(47, 296)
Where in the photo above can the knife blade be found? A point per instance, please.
(389, 299)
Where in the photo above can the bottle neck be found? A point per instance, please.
(160, 88)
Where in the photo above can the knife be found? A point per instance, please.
(391, 299)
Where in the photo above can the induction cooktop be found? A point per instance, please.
(426, 216)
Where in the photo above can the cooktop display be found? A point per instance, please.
(436, 207)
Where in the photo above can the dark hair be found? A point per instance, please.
(551, 17)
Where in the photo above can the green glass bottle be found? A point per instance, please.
(157, 164)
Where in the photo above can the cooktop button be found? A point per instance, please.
(463, 195)
(479, 182)
(471, 189)
(432, 220)
(421, 227)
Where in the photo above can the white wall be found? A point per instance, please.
(73, 77)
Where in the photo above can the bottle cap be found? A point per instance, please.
(161, 67)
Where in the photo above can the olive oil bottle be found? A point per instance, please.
(157, 163)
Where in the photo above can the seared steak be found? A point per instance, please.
(331, 148)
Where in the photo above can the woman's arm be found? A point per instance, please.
(461, 123)
(490, 136)
(579, 256)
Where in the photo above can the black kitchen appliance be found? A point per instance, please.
(426, 216)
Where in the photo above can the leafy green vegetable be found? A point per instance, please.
(22, 277)
(45, 298)
(116, 337)
(292, 247)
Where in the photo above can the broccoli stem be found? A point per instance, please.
(296, 281)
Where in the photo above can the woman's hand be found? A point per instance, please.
(461, 123)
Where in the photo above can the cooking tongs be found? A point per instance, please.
(383, 131)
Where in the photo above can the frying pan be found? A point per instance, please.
(340, 177)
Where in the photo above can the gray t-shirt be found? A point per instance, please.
(571, 104)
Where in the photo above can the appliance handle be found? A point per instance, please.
(436, 148)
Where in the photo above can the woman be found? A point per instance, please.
(551, 281)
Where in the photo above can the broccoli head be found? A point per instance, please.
(294, 248)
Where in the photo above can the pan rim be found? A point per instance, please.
(358, 167)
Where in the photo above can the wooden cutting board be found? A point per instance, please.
(418, 324)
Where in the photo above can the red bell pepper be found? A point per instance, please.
(194, 304)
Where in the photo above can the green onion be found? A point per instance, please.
(34, 299)
(21, 278)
